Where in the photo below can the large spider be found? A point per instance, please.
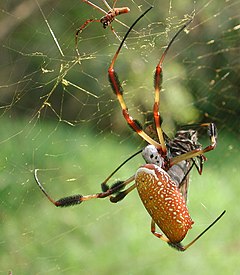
(162, 182)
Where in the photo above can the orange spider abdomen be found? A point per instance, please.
(163, 201)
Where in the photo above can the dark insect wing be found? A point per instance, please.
(183, 142)
(180, 174)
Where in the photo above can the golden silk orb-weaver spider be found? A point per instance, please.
(106, 20)
(163, 181)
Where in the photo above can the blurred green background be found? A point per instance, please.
(60, 115)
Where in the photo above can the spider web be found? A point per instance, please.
(58, 114)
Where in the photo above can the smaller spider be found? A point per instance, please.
(106, 20)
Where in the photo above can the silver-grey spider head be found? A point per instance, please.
(152, 156)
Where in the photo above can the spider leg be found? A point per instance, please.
(121, 195)
(158, 235)
(79, 30)
(179, 246)
(104, 185)
(107, 5)
(204, 231)
(77, 199)
(118, 37)
(212, 132)
(97, 7)
(183, 186)
(158, 86)
(118, 90)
